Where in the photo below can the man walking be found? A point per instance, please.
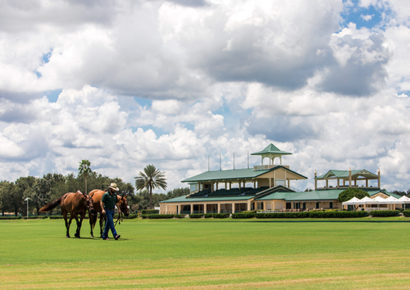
(109, 200)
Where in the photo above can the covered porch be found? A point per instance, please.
(205, 207)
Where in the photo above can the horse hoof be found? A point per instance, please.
(68, 236)
(77, 236)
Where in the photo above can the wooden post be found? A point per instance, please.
(233, 208)
(192, 208)
(350, 177)
(315, 179)
(204, 207)
(378, 178)
(219, 208)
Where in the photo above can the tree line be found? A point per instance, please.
(41, 190)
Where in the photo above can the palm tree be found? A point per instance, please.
(84, 169)
(150, 178)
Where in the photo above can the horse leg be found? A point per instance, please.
(93, 219)
(77, 232)
(67, 226)
(102, 220)
(80, 223)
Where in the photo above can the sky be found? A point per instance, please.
(184, 84)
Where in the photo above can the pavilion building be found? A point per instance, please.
(265, 187)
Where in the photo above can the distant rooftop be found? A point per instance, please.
(271, 150)
(344, 174)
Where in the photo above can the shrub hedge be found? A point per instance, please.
(149, 211)
(267, 215)
(406, 213)
(243, 215)
(196, 215)
(130, 216)
(179, 216)
(157, 216)
(314, 214)
(10, 217)
(384, 213)
(217, 215)
(337, 214)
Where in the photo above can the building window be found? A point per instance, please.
(330, 204)
(288, 205)
(193, 187)
(317, 205)
(297, 205)
(304, 205)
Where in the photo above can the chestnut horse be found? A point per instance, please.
(74, 203)
(96, 197)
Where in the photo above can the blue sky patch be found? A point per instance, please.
(368, 17)
(46, 57)
(143, 102)
(52, 96)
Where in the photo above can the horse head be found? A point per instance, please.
(122, 204)
(90, 205)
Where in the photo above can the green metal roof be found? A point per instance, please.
(308, 195)
(206, 199)
(246, 173)
(345, 174)
(271, 150)
(226, 174)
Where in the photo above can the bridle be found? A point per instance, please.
(119, 218)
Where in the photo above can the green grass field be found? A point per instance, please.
(207, 254)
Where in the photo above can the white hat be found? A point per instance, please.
(114, 187)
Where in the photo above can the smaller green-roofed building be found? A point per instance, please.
(348, 178)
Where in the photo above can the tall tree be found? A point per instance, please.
(25, 188)
(84, 170)
(42, 192)
(11, 199)
(352, 192)
(149, 179)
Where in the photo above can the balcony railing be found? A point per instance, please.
(265, 167)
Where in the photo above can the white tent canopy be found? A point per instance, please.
(404, 199)
(367, 200)
(381, 200)
(393, 200)
(352, 201)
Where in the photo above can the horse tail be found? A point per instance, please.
(51, 205)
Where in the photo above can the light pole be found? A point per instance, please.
(27, 199)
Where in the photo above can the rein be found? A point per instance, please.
(119, 218)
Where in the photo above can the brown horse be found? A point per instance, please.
(74, 203)
(96, 196)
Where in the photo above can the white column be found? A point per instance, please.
(192, 208)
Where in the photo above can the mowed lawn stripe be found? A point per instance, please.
(214, 254)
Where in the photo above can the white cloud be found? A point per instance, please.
(217, 77)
